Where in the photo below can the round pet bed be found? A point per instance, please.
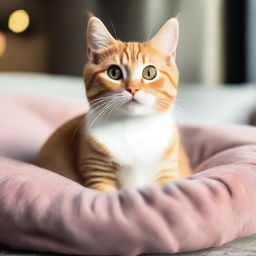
(43, 211)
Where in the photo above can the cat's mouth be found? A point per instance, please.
(131, 104)
(133, 101)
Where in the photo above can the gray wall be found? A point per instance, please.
(199, 51)
(211, 48)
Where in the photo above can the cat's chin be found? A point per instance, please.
(134, 108)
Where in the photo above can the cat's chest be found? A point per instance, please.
(134, 142)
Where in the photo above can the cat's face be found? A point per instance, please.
(131, 78)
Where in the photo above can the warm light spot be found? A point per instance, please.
(2, 43)
(18, 21)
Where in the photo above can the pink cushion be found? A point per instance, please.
(43, 211)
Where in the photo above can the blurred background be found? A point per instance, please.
(217, 37)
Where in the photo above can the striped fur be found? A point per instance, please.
(132, 57)
(128, 138)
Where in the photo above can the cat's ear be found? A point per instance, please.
(98, 36)
(166, 39)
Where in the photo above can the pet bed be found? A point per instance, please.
(43, 211)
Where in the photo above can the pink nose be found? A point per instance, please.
(132, 91)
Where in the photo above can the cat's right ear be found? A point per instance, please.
(98, 37)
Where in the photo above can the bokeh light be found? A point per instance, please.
(18, 21)
(2, 43)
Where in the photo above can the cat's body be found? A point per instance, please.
(128, 138)
(132, 160)
(138, 145)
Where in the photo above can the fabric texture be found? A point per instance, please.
(43, 211)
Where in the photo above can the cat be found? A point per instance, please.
(128, 138)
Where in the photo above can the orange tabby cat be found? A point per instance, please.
(128, 138)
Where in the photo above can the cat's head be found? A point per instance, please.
(131, 78)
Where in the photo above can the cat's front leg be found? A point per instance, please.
(100, 180)
(99, 176)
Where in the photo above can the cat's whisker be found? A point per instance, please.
(115, 107)
(107, 96)
(98, 107)
(111, 111)
(96, 104)
(107, 109)
(101, 98)
(116, 95)
(119, 99)
(180, 100)
(113, 27)
(101, 112)
(115, 35)
(79, 125)
(89, 113)
(177, 108)
(103, 105)
(102, 102)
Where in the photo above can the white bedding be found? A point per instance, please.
(195, 103)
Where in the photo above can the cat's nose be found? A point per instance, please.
(132, 90)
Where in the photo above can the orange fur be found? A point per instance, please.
(132, 55)
(87, 160)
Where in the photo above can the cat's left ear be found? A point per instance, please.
(98, 37)
(166, 39)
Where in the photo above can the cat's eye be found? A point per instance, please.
(114, 72)
(149, 72)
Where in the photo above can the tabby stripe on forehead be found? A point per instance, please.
(143, 48)
(170, 78)
(134, 51)
(93, 77)
(138, 51)
(125, 51)
(143, 58)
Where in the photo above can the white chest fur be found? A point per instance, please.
(137, 144)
